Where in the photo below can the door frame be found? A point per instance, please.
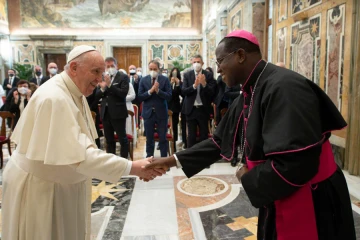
(40, 51)
(143, 44)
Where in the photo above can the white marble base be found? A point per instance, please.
(152, 211)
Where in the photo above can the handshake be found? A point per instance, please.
(149, 168)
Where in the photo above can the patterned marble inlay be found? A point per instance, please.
(302, 5)
(281, 44)
(282, 10)
(305, 47)
(203, 186)
(335, 42)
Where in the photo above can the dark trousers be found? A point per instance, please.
(175, 123)
(149, 125)
(183, 129)
(199, 117)
(119, 126)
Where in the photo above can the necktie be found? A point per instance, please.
(198, 98)
(132, 80)
(153, 81)
(38, 80)
(11, 80)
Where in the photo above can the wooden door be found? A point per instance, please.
(127, 56)
(59, 59)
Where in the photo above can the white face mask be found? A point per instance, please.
(164, 74)
(53, 71)
(139, 73)
(153, 74)
(22, 90)
(132, 72)
(197, 66)
(112, 71)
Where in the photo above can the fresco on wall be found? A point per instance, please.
(25, 53)
(282, 10)
(236, 21)
(301, 5)
(105, 13)
(335, 54)
(305, 48)
(3, 12)
(281, 44)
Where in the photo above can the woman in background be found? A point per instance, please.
(21, 97)
(129, 98)
(174, 104)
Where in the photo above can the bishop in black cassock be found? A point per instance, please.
(282, 122)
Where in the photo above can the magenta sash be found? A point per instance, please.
(295, 215)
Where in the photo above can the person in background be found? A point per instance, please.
(280, 64)
(199, 90)
(38, 78)
(174, 103)
(154, 92)
(21, 97)
(113, 92)
(129, 98)
(52, 69)
(135, 80)
(209, 69)
(93, 101)
(11, 81)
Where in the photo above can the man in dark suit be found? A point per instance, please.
(198, 89)
(52, 69)
(113, 91)
(155, 91)
(174, 103)
(38, 78)
(11, 81)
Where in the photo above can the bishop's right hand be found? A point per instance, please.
(164, 163)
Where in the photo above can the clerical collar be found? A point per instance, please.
(71, 85)
(253, 76)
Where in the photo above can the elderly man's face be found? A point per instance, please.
(89, 72)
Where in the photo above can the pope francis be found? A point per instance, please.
(47, 182)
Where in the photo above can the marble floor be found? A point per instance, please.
(212, 205)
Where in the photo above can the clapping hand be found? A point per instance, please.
(28, 94)
(202, 79)
(138, 169)
(156, 86)
(107, 79)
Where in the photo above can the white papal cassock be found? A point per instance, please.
(47, 182)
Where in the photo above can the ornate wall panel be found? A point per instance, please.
(25, 53)
(281, 44)
(305, 45)
(168, 51)
(302, 5)
(258, 22)
(282, 10)
(335, 41)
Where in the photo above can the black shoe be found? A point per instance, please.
(234, 162)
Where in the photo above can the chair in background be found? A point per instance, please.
(5, 137)
(130, 137)
(169, 135)
(136, 112)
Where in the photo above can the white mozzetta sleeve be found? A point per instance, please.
(104, 166)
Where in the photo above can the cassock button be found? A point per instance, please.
(245, 119)
(246, 106)
(245, 94)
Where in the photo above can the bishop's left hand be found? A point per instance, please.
(241, 172)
